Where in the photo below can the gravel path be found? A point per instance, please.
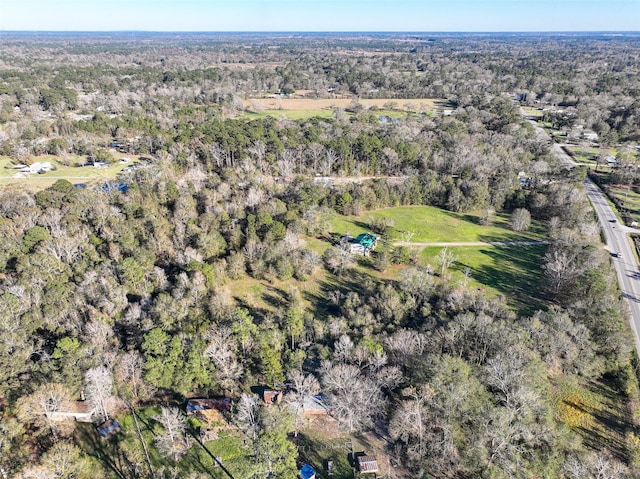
(474, 243)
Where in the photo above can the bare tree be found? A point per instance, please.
(594, 466)
(446, 258)
(520, 219)
(99, 390)
(304, 388)
(355, 399)
(247, 415)
(221, 351)
(38, 407)
(129, 372)
(173, 442)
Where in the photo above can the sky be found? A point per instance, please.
(321, 15)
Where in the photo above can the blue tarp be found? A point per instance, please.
(112, 186)
(107, 429)
(307, 472)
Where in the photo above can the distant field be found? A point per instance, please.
(319, 104)
(290, 114)
(11, 178)
(433, 224)
(532, 112)
(327, 113)
(589, 154)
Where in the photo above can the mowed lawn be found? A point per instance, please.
(435, 225)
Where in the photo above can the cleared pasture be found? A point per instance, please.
(319, 104)
(431, 224)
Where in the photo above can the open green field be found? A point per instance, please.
(593, 410)
(9, 177)
(321, 113)
(512, 271)
(589, 155)
(432, 224)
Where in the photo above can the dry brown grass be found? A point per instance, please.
(403, 104)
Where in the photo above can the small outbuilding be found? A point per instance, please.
(367, 464)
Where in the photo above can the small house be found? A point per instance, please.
(108, 428)
(37, 168)
(307, 472)
(363, 244)
(590, 135)
(80, 411)
(367, 464)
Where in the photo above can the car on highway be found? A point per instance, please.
(617, 254)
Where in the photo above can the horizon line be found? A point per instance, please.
(321, 31)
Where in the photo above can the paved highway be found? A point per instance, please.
(616, 235)
(624, 260)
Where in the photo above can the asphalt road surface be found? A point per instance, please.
(624, 260)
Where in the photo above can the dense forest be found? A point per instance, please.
(126, 299)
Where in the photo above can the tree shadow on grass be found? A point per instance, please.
(106, 451)
(514, 271)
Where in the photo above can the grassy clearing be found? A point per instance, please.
(322, 441)
(119, 454)
(630, 197)
(433, 224)
(512, 271)
(533, 112)
(11, 178)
